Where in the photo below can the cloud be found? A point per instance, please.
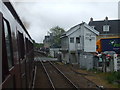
(119, 10)
(46, 14)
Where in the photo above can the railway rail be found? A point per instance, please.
(51, 82)
(56, 77)
(59, 78)
(42, 78)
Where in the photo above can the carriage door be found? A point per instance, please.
(8, 76)
(0, 47)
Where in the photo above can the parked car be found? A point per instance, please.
(109, 53)
(109, 56)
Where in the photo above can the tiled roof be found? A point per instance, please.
(114, 26)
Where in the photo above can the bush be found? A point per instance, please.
(113, 76)
(50, 57)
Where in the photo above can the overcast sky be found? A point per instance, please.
(42, 15)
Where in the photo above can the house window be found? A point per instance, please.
(72, 40)
(77, 39)
(106, 28)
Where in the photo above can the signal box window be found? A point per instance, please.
(72, 40)
(77, 39)
(8, 43)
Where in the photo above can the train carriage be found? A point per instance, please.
(17, 50)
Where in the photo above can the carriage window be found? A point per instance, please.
(8, 43)
(26, 40)
(97, 47)
(21, 48)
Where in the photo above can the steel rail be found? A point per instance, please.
(63, 75)
(97, 86)
(33, 84)
(48, 76)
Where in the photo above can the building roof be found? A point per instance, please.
(72, 30)
(46, 38)
(114, 26)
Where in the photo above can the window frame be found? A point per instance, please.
(21, 45)
(77, 40)
(5, 66)
(71, 39)
(10, 42)
(104, 28)
(5, 71)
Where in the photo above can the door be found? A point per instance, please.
(0, 47)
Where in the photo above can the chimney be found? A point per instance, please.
(106, 18)
(91, 19)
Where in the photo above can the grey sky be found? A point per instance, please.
(44, 14)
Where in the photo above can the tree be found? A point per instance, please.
(38, 45)
(57, 32)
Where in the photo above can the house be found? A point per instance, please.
(46, 41)
(49, 43)
(77, 40)
(107, 28)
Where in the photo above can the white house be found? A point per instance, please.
(80, 38)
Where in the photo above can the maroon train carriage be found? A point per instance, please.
(17, 50)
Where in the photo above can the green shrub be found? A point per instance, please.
(50, 57)
(113, 76)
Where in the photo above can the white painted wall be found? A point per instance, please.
(72, 46)
(65, 42)
(89, 45)
(83, 31)
(65, 57)
(85, 43)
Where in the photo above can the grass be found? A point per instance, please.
(109, 77)
(106, 79)
(112, 77)
(95, 71)
(50, 57)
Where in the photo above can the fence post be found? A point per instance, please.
(103, 56)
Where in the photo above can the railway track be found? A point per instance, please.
(56, 77)
(50, 76)
(42, 79)
(89, 84)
